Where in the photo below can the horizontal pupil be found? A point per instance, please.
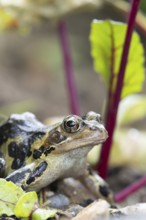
(70, 123)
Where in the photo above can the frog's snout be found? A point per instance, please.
(106, 134)
(100, 131)
(103, 134)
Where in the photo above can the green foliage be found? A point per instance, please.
(27, 203)
(9, 195)
(107, 39)
(43, 214)
(14, 201)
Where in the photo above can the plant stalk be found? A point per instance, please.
(68, 66)
(113, 108)
(119, 197)
(123, 6)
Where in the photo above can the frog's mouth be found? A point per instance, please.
(91, 141)
(86, 140)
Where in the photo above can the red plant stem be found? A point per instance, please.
(112, 112)
(140, 19)
(69, 73)
(109, 99)
(119, 197)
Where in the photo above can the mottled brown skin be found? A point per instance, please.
(34, 155)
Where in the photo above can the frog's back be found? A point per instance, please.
(16, 137)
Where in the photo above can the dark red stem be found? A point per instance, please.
(140, 20)
(119, 197)
(69, 73)
(112, 112)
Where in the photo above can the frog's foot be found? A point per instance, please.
(2, 167)
(97, 186)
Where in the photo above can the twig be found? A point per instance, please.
(119, 197)
(69, 73)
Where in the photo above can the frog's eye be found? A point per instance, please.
(71, 124)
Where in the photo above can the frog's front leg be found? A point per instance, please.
(20, 176)
(97, 185)
(31, 177)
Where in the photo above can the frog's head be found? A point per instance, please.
(77, 132)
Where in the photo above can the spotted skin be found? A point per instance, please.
(37, 172)
(19, 176)
(18, 134)
(34, 155)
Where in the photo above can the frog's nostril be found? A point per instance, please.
(94, 128)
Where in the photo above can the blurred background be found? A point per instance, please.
(32, 69)
(31, 62)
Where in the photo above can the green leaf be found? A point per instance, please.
(131, 109)
(26, 204)
(14, 201)
(43, 214)
(107, 39)
(9, 195)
